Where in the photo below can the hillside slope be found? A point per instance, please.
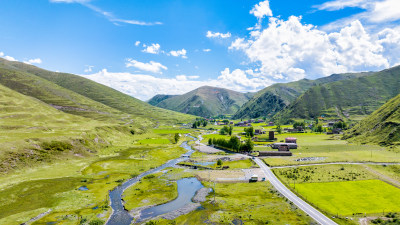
(97, 92)
(206, 101)
(381, 127)
(159, 98)
(274, 98)
(350, 98)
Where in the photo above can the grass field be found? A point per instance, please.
(346, 198)
(151, 190)
(171, 131)
(392, 171)
(56, 185)
(238, 164)
(250, 203)
(325, 173)
(154, 141)
(332, 149)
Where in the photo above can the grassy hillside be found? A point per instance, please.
(94, 91)
(350, 98)
(381, 127)
(32, 132)
(206, 101)
(274, 98)
(159, 98)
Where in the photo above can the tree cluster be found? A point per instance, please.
(340, 124)
(299, 124)
(233, 144)
(199, 122)
(226, 130)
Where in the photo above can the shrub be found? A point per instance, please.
(56, 146)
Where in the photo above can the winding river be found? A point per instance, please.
(119, 215)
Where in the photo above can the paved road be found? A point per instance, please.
(315, 214)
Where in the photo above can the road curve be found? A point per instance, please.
(311, 211)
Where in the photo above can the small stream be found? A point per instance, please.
(120, 216)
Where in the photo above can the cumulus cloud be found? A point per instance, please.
(211, 34)
(206, 50)
(144, 86)
(261, 10)
(288, 50)
(152, 49)
(137, 43)
(151, 66)
(33, 61)
(179, 53)
(7, 57)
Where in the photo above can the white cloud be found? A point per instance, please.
(288, 50)
(341, 4)
(146, 86)
(137, 43)
(261, 10)
(108, 15)
(152, 49)
(33, 61)
(152, 66)
(7, 57)
(207, 50)
(375, 13)
(88, 69)
(178, 53)
(184, 77)
(211, 34)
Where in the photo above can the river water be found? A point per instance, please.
(119, 215)
(187, 188)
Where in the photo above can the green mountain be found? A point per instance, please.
(382, 126)
(78, 95)
(274, 98)
(352, 98)
(159, 98)
(45, 116)
(206, 101)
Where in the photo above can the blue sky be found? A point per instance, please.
(153, 47)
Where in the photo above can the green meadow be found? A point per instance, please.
(247, 203)
(351, 197)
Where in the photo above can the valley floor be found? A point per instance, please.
(75, 191)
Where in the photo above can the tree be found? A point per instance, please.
(248, 146)
(278, 129)
(299, 124)
(234, 143)
(219, 162)
(205, 123)
(319, 128)
(230, 130)
(194, 125)
(224, 130)
(210, 141)
(249, 131)
(176, 138)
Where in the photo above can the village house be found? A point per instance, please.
(259, 131)
(291, 140)
(271, 124)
